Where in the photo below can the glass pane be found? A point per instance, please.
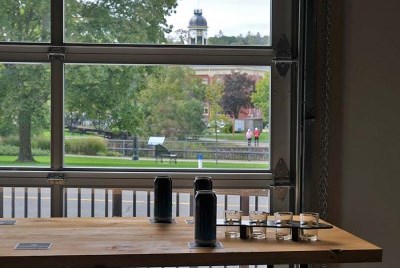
(118, 116)
(25, 115)
(25, 21)
(176, 22)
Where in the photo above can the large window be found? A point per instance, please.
(90, 88)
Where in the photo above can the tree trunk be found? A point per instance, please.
(25, 147)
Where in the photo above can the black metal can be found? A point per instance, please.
(163, 199)
(205, 224)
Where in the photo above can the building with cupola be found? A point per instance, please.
(197, 29)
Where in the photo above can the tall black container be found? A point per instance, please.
(163, 199)
(205, 224)
(200, 183)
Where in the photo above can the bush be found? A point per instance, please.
(11, 140)
(110, 153)
(86, 146)
(41, 143)
(10, 150)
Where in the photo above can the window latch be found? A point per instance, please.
(283, 57)
(56, 54)
(56, 178)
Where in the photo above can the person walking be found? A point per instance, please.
(249, 135)
(256, 136)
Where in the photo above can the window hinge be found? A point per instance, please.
(281, 175)
(56, 178)
(283, 57)
(56, 54)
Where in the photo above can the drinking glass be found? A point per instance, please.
(234, 218)
(258, 218)
(308, 221)
(283, 219)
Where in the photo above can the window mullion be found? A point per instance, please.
(57, 107)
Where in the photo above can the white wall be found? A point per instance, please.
(370, 134)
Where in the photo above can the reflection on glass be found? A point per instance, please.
(25, 21)
(24, 115)
(113, 114)
(176, 22)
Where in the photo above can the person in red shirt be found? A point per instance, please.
(256, 136)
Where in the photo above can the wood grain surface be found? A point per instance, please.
(133, 242)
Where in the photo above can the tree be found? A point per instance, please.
(25, 89)
(106, 94)
(173, 102)
(118, 21)
(261, 96)
(248, 40)
(237, 90)
(26, 92)
(96, 21)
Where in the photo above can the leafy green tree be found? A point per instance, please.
(118, 21)
(25, 21)
(103, 21)
(25, 89)
(248, 40)
(173, 102)
(261, 96)
(107, 95)
(25, 102)
(237, 90)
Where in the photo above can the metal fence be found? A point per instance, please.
(33, 202)
(189, 149)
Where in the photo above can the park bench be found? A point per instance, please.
(161, 152)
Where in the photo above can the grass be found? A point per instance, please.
(89, 161)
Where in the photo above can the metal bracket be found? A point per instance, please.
(56, 54)
(56, 178)
(281, 175)
(283, 58)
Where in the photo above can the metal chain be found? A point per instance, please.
(324, 141)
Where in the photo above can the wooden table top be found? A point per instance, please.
(127, 242)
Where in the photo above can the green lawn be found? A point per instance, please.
(89, 161)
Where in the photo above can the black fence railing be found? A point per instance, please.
(222, 150)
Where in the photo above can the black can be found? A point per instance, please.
(163, 199)
(205, 224)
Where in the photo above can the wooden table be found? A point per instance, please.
(119, 242)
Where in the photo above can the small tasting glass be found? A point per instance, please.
(283, 219)
(258, 218)
(234, 218)
(308, 220)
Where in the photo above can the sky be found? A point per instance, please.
(232, 17)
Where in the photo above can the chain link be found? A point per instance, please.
(324, 141)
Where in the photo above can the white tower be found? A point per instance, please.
(197, 29)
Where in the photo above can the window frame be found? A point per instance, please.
(282, 112)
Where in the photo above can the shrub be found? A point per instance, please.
(86, 146)
(40, 152)
(10, 150)
(110, 153)
(41, 143)
(10, 140)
